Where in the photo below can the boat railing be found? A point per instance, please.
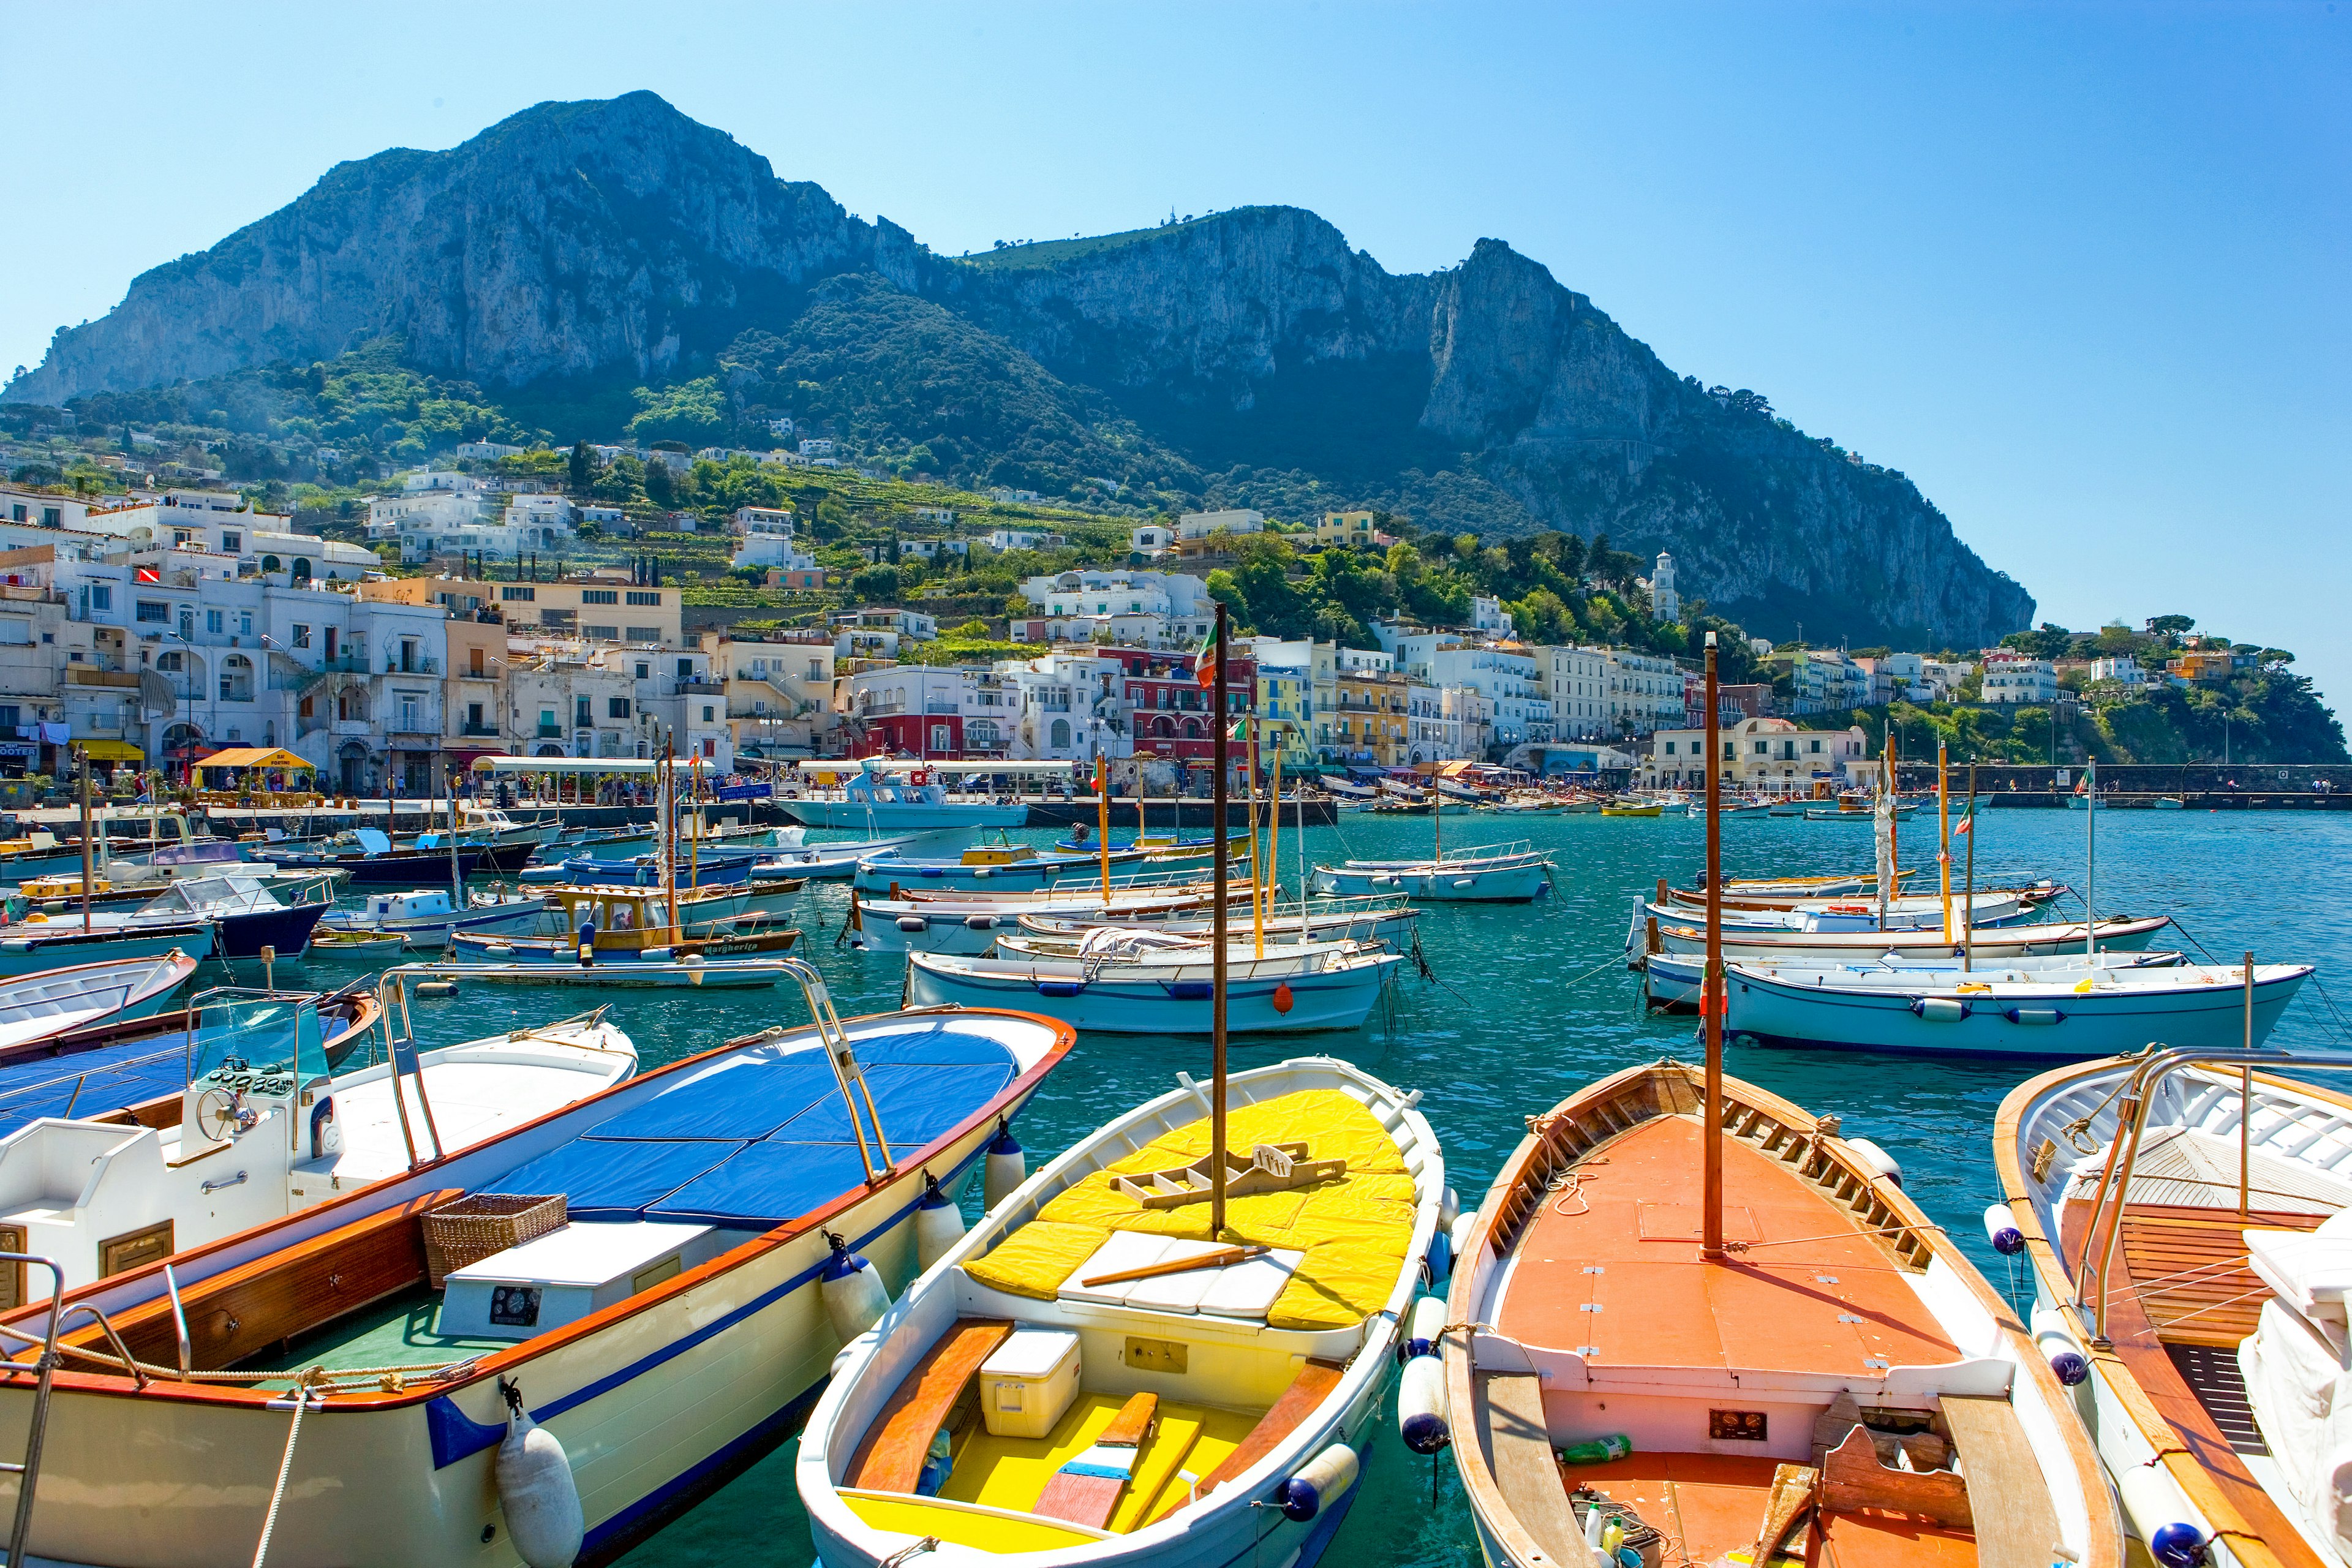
(2133, 1102)
(846, 1069)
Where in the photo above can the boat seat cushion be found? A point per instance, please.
(2310, 1271)
(1035, 1260)
(917, 1101)
(739, 1098)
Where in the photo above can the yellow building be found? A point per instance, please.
(598, 607)
(1353, 529)
(1369, 720)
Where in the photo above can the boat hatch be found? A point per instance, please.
(1000, 854)
(409, 906)
(565, 1275)
(762, 1136)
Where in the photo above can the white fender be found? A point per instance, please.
(1008, 1167)
(1449, 1209)
(1324, 1478)
(2153, 1506)
(1421, 1406)
(1424, 1323)
(2057, 1342)
(537, 1491)
(1458, 1235)
(1876, 1160)
(852, 1292)
(2000, 1229)
(938, 1224)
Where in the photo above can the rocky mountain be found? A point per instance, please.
(1250, 357)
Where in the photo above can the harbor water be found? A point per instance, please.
(1528, 1003)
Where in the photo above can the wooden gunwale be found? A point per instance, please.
(506, 1360)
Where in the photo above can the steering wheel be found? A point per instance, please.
(221, 1115)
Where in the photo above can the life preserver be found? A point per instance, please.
(920, 777)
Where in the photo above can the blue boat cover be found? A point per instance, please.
(761, 1136)
(93, 1082)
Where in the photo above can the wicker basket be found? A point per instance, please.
(478, 1226)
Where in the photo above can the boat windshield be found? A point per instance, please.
(269, 1034)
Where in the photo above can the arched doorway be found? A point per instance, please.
(350, 766)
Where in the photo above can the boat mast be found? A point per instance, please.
(1882, 831)
(1217, 958)
(694, 832)
(1712, 989)
(1944, 833)
(1274, 858)
(1968, 891)
(667, 793)
(1102, 822)
(88, 869)
(1249, 808)
(2091, 893)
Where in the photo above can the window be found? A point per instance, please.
(583, 713)
(599, 597)
(816, 669)
(1763, 748)
(232, 541)
(617, 708)
(171, 663)
(635, 598)
(546, 721)
(245, 623)
(939, 742)
(301, 634)
(474, 718)
(271, 564)
(153, 610)
(709, 712)
(1816, 747)
(101, 595)
(1670, 748)
(8, 715)
(644, 634)
(601, 634)
(215, 623)
(52, 517)
(526, 595)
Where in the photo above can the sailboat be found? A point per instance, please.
(1171, 1346)
(1693, 1322)
(1514, 873)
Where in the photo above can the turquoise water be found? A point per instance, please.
(1529, 1004)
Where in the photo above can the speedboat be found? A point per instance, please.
(1493, 873)
(247, 916)
(2184, 1217)
(2098, 1011)
(265, 1125)
(426, 918)
(1144, 989)
(1833, 1384)
(642, 1292)
(1093, 1376)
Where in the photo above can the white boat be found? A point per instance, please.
(1985, 942)
(1909, 914)
(37, 943)
(834, 861)
(39, 1007)
(881, 798)
(1250, 1390)
(1493, 873)
(2182, 1215)
(1293, 989)
(968, 924)
(1012, 867)
(425, 918)
(1378, 920)
(1670, 981)
(1834, 1385)
(639, 973)
(671, 1329)
(2102, 1012)
(266, 1126)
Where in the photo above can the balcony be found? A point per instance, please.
(550, 732)
(476, 732)
(418, 666)
(90, 675)
(701, 687)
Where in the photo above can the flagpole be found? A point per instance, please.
(1217, 1002)
(1711, 992)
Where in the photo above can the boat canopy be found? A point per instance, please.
(849, 767)
(594, 766)
(762, 1136)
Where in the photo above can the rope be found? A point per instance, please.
(285, 1468)
(1834, 1236)
(318, 1378)
(1571, 1186)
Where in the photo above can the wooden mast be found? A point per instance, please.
(89, 868)
(1711, 986)
(669, 837)
(456, 875)
(1968, 889)
(2091, 888)
(1217, 939)
(1102, 822)
(1944, 833)
(1249, 809)
(1274, 856)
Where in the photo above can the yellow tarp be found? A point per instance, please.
(253, 757)
(112, 752)
(1353, 1231)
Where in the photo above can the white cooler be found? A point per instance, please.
(1029, 1381)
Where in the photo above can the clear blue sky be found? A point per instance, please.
(2081, 271)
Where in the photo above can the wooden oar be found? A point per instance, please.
(1223, 1257)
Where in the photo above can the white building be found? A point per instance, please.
(481, 451)
(1645, 692)
(2011, 677)
(1488, 617)
(2125, 669)
(1576, 680)
(1769, 756)
(1201, 524)
(817, 447)
(749, 520)
(1072, 708)
(1666, 604)
(1002, 496)
(1023, 539)
(1506, 676)
(1151, 538)
(767, 540)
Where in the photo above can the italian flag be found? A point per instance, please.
(1205, 663)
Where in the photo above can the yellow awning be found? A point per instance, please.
(112, 752)
(253, 757)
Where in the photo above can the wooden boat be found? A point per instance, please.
(1374, 920)
(337, 941)
(1246, 1383)
(746, 937)
(2099, 1011)
(1512, 873)
(1838, 1385)
(426, 918)
(672, 1331)
(2182, 1215)
(1291, 990)
(1632, 808)
(39, 942)
(1670, 981)
(987, 866)
(644, 972)
(37, 1008)
(264, 1125)
(1910, 913)
(830, 862)
(1987, 941)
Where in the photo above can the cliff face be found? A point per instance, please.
(621, 238)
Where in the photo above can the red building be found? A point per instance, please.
(1172, 709)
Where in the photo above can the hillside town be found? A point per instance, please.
(156, 628)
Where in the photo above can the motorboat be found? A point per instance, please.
(267, 1126)
(1030, 1398)
(2182, 1215)
(668, 971)
(40, 942)
(1512, 873)
(1670, 981)
(1985, 942)
(1138, 991)
(378, 865)
(967, 925)
(836, 861)
(878, 801)
(636, 1276)
(1800, 1368)
(37, 1008)
(2100, 1011)
(987, 866)
(429, 917)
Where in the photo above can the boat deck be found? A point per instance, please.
(1707, 1505)
(1012, 1472)
(399, 1331)
(471, 1100)
(1609, 1266)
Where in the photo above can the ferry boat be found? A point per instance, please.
(675, 1324)
(1096, 1374)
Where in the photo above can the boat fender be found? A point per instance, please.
(979, 923)
(2000, 1229)
(851, 1290)
(536, 1489)
(437, 988)
(2152, 1504)
(938, 1224)
(2058, 1343)
(1437, 1263)
(1325, 1477)
(1283, 1000)
(1876, 1160)
(1423, 1325)
(1007, 1166)
(326, 1132)
(1421, 1406)
(1941, 1009)
(1449, 1209)
(913, 923)
(1458, 1235)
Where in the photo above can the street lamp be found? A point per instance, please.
(187, 738)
